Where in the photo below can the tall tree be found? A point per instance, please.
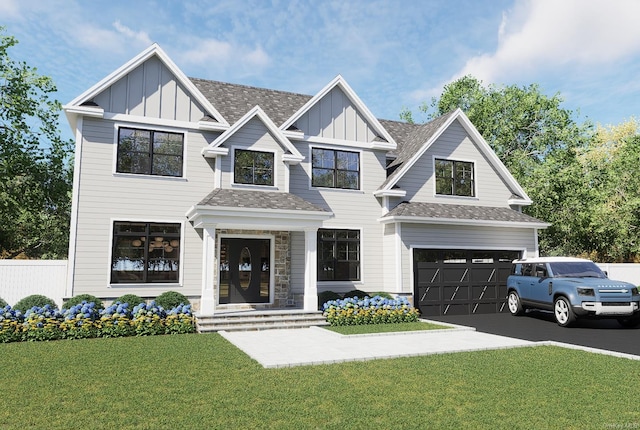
(35, 163)
(609, 166)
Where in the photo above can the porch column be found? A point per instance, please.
(311, 269)
(207, 299)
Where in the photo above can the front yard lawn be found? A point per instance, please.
(203, 381)
(385, 328)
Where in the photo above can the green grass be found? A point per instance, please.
(204, 382)
(385, 328)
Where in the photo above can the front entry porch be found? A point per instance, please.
(237, 217)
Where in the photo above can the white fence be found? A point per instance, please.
(629, 272)
(22, 278)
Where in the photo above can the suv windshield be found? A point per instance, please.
(576, 269)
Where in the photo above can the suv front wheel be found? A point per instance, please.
(513, 301)
(562, 311)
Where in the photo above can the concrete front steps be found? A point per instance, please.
(259, 320)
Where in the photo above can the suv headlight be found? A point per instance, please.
(586, 292)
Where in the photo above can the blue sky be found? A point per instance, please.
(394, 54)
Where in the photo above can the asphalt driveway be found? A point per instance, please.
(540, 326)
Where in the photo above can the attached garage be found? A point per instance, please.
(461, 282)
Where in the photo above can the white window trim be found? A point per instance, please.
(336, 148)
(462, 160)
(148, 285)
(183, 132)
(254, 186)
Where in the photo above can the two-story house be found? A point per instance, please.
(242, 197)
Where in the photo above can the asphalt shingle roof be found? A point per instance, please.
(258, 200)
(460, 212)
(233, 101)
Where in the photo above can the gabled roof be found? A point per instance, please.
(339, 81)
(417, 142)
(76, 105)
(291, 153)
(439, 213)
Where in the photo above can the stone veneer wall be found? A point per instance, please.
(281, 266)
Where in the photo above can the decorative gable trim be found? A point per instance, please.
(291, 155)
(388, 144)
(75, 106)
(460, 116)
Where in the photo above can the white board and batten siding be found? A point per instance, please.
(455, 144)
(150, 90)
(336, 117)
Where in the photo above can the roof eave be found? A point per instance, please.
(458, 221)
(221, 216)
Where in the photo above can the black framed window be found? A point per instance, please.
(145, 252)
(253, 167)
(149, 152)
(335, 169)
(338, 255)
(454, 178)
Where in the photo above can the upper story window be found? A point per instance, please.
(253, 167)
(335, 169)
(149, 152)
(454, 178)
(145, 252)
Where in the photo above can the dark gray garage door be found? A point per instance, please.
(461, 282)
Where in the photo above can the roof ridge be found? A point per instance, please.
(252, 87)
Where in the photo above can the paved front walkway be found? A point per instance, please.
(315, 345)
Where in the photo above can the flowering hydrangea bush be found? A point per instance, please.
(369, 310)
(86, 320)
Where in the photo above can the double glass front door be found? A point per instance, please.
(244, 270)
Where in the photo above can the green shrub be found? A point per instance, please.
(132, 299)
(76, 300)
(382, 294)
(171, 299)
(376, 310)
(326, 296)
(356, 293)
(34, 300)
(3, 303)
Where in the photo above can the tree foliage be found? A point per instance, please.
(35, 163)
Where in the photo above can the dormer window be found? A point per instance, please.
(149, 152)
(253, 167)
(454, 178)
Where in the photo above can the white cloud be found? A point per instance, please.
(217, 54)
(141, 37)
(546, 34)
(9, 9)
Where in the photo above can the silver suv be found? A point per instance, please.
(571, 288)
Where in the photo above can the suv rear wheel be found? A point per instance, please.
(562, 311)
(513, 301)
